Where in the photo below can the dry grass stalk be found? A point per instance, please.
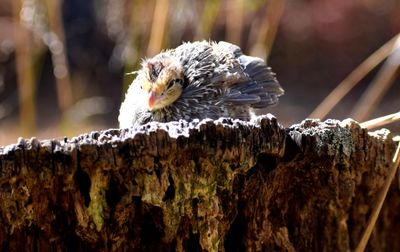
(209, 15)
(131, 44)
(379, 85)
(274, 13)
(234, 21)
(263, 35)
(378, 206)
(353, 78)
(158, 27)
(59, 57)
(24, 70)
(380, 121)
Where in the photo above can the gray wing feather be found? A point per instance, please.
(258, 81)
(238, 97)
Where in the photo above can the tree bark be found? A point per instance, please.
(224, 185)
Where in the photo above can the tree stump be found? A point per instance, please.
(223, 185)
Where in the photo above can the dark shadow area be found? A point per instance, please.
(234, 237)
(114, 193)
(83, 183)
(170, 193)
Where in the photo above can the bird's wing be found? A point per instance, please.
(254, 83)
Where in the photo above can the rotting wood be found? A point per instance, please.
(210, 185)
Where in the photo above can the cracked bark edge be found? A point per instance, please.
(205, 185)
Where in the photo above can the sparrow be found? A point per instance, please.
(199, 80)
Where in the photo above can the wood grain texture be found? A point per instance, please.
(223, 185)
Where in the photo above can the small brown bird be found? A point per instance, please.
(199, 80)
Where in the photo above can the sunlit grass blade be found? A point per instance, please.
(378, 122)
(353, 78)
(379, 85)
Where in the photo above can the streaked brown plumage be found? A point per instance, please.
(199, 80)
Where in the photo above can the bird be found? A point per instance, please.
(199, 80)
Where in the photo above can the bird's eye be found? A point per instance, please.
(172, 82)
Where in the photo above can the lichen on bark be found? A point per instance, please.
(205, 185)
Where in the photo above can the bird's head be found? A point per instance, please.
(163, 81)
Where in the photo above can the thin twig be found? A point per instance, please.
(380, 121)
(381, 198)
(379, 85)
(353, 78)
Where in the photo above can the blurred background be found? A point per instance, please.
(63, 63)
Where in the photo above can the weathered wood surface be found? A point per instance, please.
(211, 185)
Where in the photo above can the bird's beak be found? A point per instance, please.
(151, 99)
